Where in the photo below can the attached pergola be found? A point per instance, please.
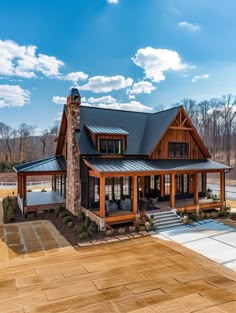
(52, 166)
(105, 168)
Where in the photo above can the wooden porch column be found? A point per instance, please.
(21, 186)
(172, 190)
(24, 188)
(18, 183)
(204, 182)
(196, 187)
(135, 194)
(222, 187)
(162, 186)
(102, 197)
(142, 185)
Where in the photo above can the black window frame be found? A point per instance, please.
(111, 146)
(178, 150)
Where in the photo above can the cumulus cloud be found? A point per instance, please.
(113, 1)
(197, 77)
(188, 26)
(23, 61)
(133, 105)
(105, 99)
(157, 61)
(76, 76)
(13, 96)
(59, 100)
(106, 83)
(140, 87)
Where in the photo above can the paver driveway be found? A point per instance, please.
(40, 272)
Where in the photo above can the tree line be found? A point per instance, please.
(215, 121)
(23, 144)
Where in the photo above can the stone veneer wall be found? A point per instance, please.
(73, 185)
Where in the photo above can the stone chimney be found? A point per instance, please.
(73, 186)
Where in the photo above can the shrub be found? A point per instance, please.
(92, 229)
(132, 228)
(79, 229)
(81, 217)
(192, 216)
(233, 216)
(83, 235)
(87, 221)
(6, 202)
(63, 214)
(59, 210)
(67, 219)
(43, 190)
(109, 232)
(29, 190)
(10, 214)
(141, 228)
(121, 230)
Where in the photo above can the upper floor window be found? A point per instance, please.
(178, 150)
(111, 146)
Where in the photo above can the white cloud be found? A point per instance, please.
(197, 77)
(57, 118)
(13, 96)
(135, 106)
(22, 61)
(113, 1)
(188, 26)
(140, 87)
(105, 99)
(157, 61)
(59, 100)
(106, 83)
(131, 97)
(76, 76)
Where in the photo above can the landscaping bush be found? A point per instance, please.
(10, 214)
(79, 229)
(83, 235)
(43, 190)
(81, 217)
(192, 216)
(63, 214)
(67, 219)
(92, 229)
(6, 202)
(142, 228)
(87, 222)
(59, 210)
(233, 216)
(121, 230)
(29, 190)
(132, 228)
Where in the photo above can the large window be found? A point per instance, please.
(178, 150)
(111, 146)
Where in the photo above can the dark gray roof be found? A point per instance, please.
(51, 164)
(145, 129)
(130, 165)
(107, 130)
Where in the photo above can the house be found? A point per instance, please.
(110, 162)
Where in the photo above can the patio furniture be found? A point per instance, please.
(111, 206)
(125, 204)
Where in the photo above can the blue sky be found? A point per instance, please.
(123, 54)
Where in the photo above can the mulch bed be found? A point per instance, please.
(66, 231)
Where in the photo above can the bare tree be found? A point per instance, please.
(24, 133)
(6, 133)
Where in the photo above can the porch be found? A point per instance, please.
(149, 185)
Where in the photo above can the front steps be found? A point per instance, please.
(165, 219)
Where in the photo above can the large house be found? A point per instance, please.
(110, 163)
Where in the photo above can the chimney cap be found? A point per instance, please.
(74, 92)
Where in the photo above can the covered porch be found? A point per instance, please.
(120, 189)
(33, 201)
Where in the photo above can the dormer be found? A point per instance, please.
(108, 140)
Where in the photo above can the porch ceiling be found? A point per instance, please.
(141, 166)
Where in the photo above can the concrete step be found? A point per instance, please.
(161, 214)
(167, 222)
(168, 218)
(168, 226)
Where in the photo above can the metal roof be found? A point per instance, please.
(144, 129)
(107, 130)
(51, 164)
(131, 165)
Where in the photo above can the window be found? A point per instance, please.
(111, 146)
(178, 150)
(126, 186)
(167, 185)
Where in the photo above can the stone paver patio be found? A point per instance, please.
(41, 272)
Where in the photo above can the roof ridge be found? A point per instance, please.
(92, 107)
(36, 164)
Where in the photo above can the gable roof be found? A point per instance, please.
(144, 129)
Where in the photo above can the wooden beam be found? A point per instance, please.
(162, 186)
(181, 128)
(204, 182)
(196, 187)
(94, 174)
(222, 186)
(135, 194)
(172, 191)
(184, 121)
(102, 197)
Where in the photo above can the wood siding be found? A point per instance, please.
(177, 135)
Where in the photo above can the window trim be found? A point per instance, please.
(114, 147)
